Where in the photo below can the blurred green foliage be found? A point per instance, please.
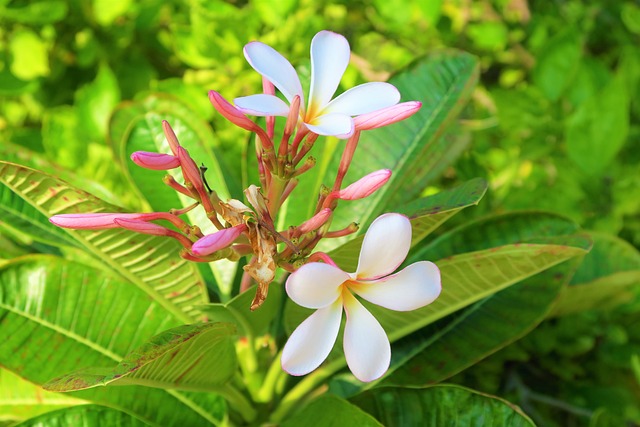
(553, 126)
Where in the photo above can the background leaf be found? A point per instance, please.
(440, 406)
(327, 411)
(84, 416)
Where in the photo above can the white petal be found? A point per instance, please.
(385, 246)
(316, 284)
(329, 59)
(366, 346)
(332, 125)
(275, 67)
(364, 99)
(312, 341)
(262, 105)
(411, 288)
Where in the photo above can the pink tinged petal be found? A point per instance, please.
(386, 244)
(312, 341)
(316, 285)
(332, 125)
(365, 186)
(155, 161)
(366, 346)
(413, 287)
(143, 227)
(387, 116)
(91, 221)
(364, 99)
(329, 59)
(216, 241)
(262, 105)
(268, 62)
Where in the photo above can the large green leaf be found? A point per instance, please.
(329, 411)
(151, 263)
(84, 416)
(412, 149)
(20, 399)
(57, 317)
(440, 406)
(198, 357)
(446, 347)
(426, 214)
(609, 276)
(137, 126)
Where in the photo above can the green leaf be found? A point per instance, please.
(328, 411)
(107, 11)
(557, 63)
(238, 310)
(57, 316)
(36, 12)
(608, 276)
(598, 129)
(138, 127)
(30, 57)
(435, 353)
(198, 357)
(149, 262)
(440, 406)
(413, 149)
(95, 102)
(426, 215)
(84, 416)
(20, 399)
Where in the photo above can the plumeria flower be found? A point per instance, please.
(330, 54)
(328, 289)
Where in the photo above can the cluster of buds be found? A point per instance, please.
(249, 229)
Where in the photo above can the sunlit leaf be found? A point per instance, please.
(20, 399)
(328, 411)
(198, 357)
(57, 317)
(84, 416)
(151, 263)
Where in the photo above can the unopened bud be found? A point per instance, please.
(365, 186)
(315, 222)
(219, 240)
(101, 221)
(155, 161)
(152, 229)
(172, 139)
(387, 116)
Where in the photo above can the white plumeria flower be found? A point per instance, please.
(330, 54)
(328, 289)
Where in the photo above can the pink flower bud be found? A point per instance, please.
(316, 221)
(172, 139)
(218, 240)
(91, 221)
(230, 112)
(387, 116)
(152, 229)
(190, 170)
(101, 221)
(155, 161)
(365, 186)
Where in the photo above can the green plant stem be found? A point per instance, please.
(238, 402)
(266, 392)
(278, 184)
(304, 387)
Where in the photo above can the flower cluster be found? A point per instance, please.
(249, 228)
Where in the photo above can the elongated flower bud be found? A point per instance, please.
(219, 240)
(101, 221)
(365, 186)
(172, 139)
(386, 116)
(155, 161)
(316, 221)
(152, 229)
